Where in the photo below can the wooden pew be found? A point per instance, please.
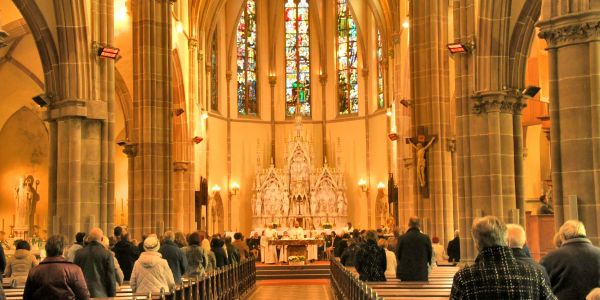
(230, 282)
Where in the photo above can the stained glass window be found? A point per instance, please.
(297, 50)
(347, 60)
(214, 95)
(380, 97)
(246, 61)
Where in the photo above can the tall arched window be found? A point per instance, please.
(297, 50)
(214, 94)
(246, 61)
(347, 60)
(380, 96)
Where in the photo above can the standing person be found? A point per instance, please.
(118, 272)
(125, 252)
(413, 253)
(195, 255)
(55, 277)
(574, 268)
(438, 250)
(18, 266)
(242, 248)
(180, 239)
(216, 246)
(516, 239)
(211, 260)
(390, 257)
(496, 273)
(454, 248)
(233, 254)
(370, 260)
(151, 272)
(254, 245)
(70, 253)
(97, 266)
(173, 255)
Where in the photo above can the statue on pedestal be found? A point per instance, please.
(26, 197)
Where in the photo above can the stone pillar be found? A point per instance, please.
(431, 110)
(573, 36)
(152, 207)
(181, 199)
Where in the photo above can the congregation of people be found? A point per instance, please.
(95, 265)
(503, 268)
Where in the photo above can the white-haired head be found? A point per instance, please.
(571, 229)
(488, 232)
(516, 236)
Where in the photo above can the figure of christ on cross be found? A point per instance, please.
(421, 144)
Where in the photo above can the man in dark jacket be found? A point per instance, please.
(496, 273)
(413, 253)
(97, 265)
(174, 256)
(233, 255)
(370, 260)
(516, 239)
(216, 246)
(574, 268)
(125, 252)
(454, 248)
(55, 277)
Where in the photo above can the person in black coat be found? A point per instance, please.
(216, 246)
(370, 259)
(413, 253)
(574, 268)
(516, 238)
(454, 248)
(233, 254)
(97, 265)
(126, 254)
(337, 248)
(174, 256)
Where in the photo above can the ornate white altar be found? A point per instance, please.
(312, 196)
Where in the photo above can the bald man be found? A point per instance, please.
(97, 265)
(413, 253)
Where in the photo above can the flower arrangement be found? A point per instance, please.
(296, 259)
(327, 225)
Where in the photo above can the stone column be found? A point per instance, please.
(152, 207)
(431, 110)
(180, 196)
(573, 36)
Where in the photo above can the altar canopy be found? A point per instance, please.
(299, 192)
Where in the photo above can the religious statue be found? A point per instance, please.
(341, 202)
(26, 197)
(421, 160)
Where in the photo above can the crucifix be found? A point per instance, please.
(421, 143)
(300, 96)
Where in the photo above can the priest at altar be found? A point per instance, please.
(268, 252)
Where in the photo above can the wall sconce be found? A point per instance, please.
(204, 115)
(381, 186)
(389, 112)
(362, 183)
(235, 188)
(215, 189)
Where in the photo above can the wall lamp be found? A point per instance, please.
(362, 183)
(215, 189)
(461, 48)
(381, 186)
(235, 188)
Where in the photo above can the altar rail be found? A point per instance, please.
(227, 283)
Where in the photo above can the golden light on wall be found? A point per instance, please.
(381, 186)
(121, 15)
(362, 183)
(235, 188)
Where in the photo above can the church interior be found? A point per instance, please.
(229, 116)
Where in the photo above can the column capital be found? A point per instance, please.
(272, 80)
(323, 79)
(570, 29)
(130, 150)
(181, 166)
(507, 101)
(193, 43)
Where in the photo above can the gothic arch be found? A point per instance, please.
(492, 48)
(520, 43)
(44, 41)
(181, 137)
(125, 102)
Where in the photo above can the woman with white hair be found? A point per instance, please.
(151, 272)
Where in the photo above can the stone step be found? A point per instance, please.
(292, 272)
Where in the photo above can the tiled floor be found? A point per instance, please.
(291, 291)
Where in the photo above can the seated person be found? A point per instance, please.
(151, 272)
